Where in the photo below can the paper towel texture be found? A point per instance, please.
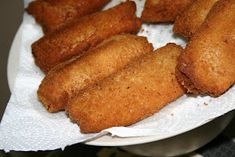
(27, 125)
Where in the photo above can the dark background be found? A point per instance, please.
(11, 12)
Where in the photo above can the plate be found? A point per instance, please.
(147, 146)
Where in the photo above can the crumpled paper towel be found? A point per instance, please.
(26, 124)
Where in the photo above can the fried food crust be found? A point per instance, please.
(68, 78)
(130, 95)
(84, 34)
(54, 14)
(187, 22)
(163, 10)
(207, 64)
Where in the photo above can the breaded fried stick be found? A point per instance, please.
(68, 78)
(207, 65)
(86, 33)
(53, 14)
(187, 23)
(156, 11)
(130, 95)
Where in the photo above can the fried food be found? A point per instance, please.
(207, 64)
(84, 34)
(130, 95)
(163, 10)
(53, 14)
(187, 23)
(68, 78)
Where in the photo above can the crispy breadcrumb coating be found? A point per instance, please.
(207, 64)
(187, 23)
(54, 14)
(163, 10)
(68, 78)
(130, 95)
(84, 34)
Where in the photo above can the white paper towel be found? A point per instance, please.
(26, 124)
